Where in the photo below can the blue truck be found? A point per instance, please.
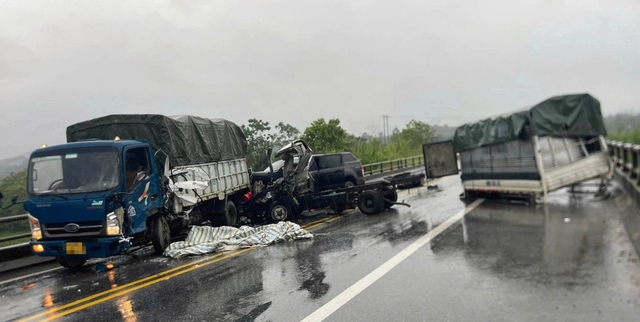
(126, 180)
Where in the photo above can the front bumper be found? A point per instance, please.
(94, 248)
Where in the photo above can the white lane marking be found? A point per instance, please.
(31, 275)
(355, 289)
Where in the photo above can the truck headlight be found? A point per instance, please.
(113, 224)
(34, 224)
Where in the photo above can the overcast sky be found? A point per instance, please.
(441, 62)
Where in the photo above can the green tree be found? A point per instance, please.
(325, 137)
(14, 184)
(286, 133)
(416, 133)
(259, 139)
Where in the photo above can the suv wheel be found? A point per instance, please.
(349, 184)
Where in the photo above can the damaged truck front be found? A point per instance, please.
(124, 180)
(556, 143)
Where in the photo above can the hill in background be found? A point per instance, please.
(13, 165)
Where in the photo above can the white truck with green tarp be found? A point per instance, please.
(557, 143)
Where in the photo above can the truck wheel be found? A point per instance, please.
(370, 203)
(231, 214)
(393, 196)
(279, 211)
(71, 263)
(160, 233)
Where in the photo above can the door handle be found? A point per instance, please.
(153, 197)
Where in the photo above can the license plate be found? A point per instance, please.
(76, 249)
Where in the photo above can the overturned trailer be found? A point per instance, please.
(556, 143)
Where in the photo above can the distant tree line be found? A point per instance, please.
(623, 127)
(328, 136)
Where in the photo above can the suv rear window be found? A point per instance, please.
(329, 161)
(349, 157)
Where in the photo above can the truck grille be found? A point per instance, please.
(86, 228)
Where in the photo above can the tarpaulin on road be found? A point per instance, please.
(204, 239)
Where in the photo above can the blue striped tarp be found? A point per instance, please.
(204, 239)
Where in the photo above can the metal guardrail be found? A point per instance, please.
(12, 219)
(385, 166)
(626, 157)
(369, 169)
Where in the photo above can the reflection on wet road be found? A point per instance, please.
(568, 261)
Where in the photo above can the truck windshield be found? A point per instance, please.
(79, 170)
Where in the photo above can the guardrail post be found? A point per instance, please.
(627, 158)
(621, 157)
(634, 161)
(618, 152)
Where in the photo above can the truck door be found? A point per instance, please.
(143, 187)
(440, 159)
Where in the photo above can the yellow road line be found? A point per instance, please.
(334, 219)
(150, 280)
(124, 286)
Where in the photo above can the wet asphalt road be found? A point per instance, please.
(569, 261)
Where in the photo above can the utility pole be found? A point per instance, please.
(385, 128)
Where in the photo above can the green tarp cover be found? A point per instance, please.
(576, 115)
(188, 140)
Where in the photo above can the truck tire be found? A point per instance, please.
(71, 263)
(279, 211)
(392, 196)
(370, 203)
(160, 233)
(231, 214)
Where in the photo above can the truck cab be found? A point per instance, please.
(92, 199)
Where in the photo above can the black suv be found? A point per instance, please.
(329, 171)
(335, 170)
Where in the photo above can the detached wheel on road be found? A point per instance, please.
(231, 214)
(279, 211)
(160, 233)
(370, 203)
(71, 263)
(392, 196)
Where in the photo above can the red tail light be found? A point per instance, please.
(247, 196)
